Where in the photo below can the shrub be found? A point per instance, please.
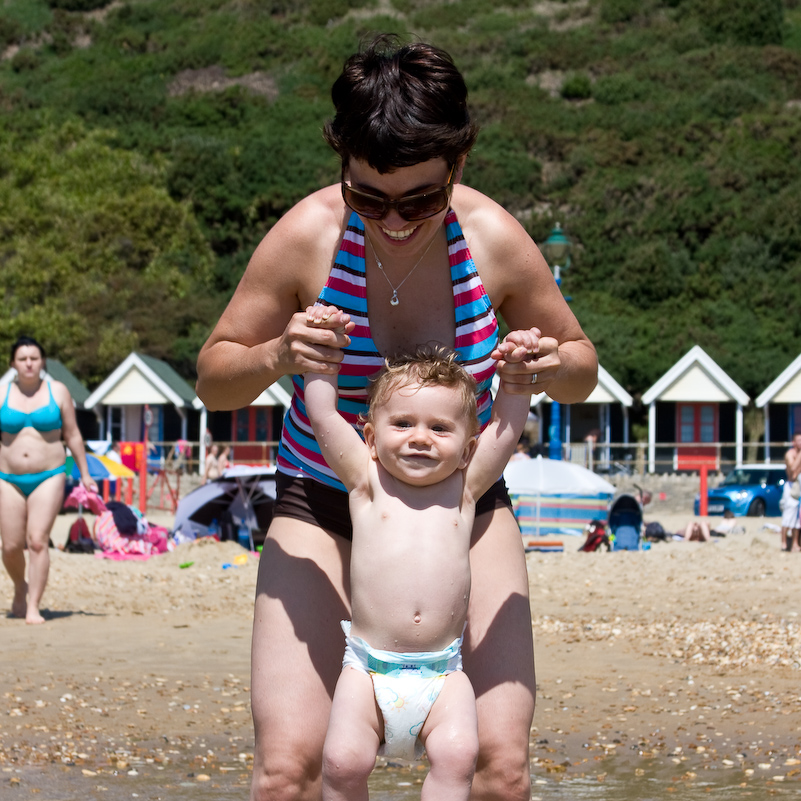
(745, 22)
(577, 86)
(78, 5)
(729, 99)
(621, 88)
(10, 31)
(613, 11)
(25, 59)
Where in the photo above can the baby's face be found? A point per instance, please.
(420, 434)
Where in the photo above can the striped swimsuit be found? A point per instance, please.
(476, 337)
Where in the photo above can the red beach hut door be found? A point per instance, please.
(696, 423)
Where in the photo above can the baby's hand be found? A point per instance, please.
(527, 361)
(519, 346)
(331, 316)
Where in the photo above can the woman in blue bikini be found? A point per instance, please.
(412, 256)
(36, 414)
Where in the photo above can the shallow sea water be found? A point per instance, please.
(610, 780)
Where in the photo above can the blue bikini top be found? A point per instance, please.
(45, 418)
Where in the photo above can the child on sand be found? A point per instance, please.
(412, 486)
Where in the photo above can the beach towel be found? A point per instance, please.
(110, 540)
(80, 496)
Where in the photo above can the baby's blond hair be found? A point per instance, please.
(428, 365)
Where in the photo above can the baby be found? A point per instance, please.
(412, 486)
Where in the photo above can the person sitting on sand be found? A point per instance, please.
(696, 531)
(412, 488)
(726, 526)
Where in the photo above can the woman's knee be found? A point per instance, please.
(503, 774)
(285, 780)
(36, 545)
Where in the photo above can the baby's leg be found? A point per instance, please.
(354, 734)
(450, 735)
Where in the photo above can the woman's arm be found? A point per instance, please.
(71, 434)
(523, 290)
(263, 334)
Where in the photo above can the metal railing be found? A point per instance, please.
(601, 457)
(172, 473)
(633, 458)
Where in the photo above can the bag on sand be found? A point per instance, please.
(597, 537)
(79, 539)
(654, 532)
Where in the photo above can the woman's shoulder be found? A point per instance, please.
(309, 231)
(60, 392)
(492, 233)
(481, 215)
(319, 213)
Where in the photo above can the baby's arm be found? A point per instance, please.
(342, 447)
(498, 440)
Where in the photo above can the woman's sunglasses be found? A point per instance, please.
(410, 208)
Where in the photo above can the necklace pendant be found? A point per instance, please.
(394, 300)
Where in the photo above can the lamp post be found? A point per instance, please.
(556, 250)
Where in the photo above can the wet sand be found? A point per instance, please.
(685, 659)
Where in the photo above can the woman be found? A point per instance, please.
(432, 260)
(212, 470)
(36, 414)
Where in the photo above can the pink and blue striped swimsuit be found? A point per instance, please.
(476, 337)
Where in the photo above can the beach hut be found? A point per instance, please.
(781, 405)
(252, 430)
(555, 497)
(604, 415)
(143, 391)
(695, 405)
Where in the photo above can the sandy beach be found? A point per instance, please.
(685, 659)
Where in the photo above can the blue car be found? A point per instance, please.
(752, 489)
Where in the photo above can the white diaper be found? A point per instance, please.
(405, 686)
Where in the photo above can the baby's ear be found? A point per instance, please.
(469, 450)
(369, 439)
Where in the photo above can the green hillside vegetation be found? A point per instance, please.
(148, 145)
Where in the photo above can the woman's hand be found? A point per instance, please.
(313, 340)
(90, 484)
(527, 362)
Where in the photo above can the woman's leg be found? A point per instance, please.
(296, 657)
(499, 658)
(43, 506)
(13, 522)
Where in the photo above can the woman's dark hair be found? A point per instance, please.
(398, 105)
(21, 343)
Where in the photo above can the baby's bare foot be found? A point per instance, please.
(34, 619)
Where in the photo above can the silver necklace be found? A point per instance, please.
(395, 300)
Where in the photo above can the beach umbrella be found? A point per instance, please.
(246, 495)
(556, 497)
(100, 467)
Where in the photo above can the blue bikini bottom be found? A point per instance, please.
(26, 483)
